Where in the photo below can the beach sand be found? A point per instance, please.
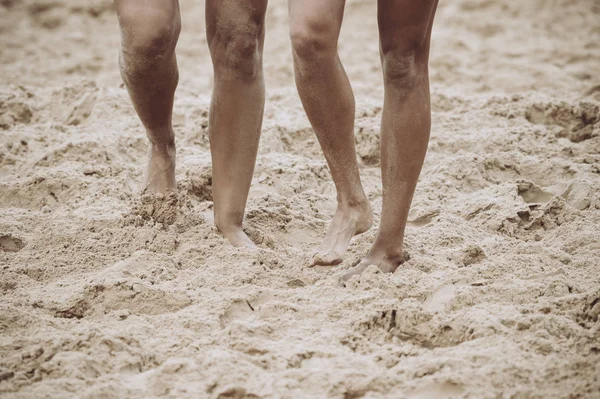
(107, 293)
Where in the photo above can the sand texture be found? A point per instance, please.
(107, 293)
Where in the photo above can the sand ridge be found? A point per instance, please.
(107, 292)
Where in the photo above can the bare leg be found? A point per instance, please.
(149, 33)
(235, 33)
(405, 31)
(329, 104)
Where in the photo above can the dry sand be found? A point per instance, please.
(106, 294)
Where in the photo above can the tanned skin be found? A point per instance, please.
(404, 36)
(149, 33)
(235, 34)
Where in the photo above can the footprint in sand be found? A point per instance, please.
(441, 297)
(420, 219)
(10, 243)
(240, 309)
(531, 193)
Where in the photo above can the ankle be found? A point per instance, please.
(227, 226)
(392, 251)
(164, 149)
(359, 201)
(395, 256)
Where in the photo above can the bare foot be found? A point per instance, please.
(160, 173)
(347, 222)
(385, 263)
(237, 237)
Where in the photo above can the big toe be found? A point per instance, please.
(329, 258)
(239, 239)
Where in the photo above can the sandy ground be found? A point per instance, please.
(106, 294)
